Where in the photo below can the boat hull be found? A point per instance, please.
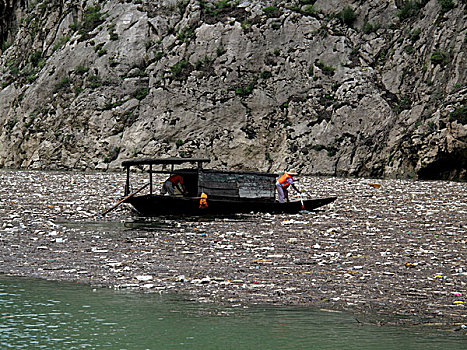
(156, 205)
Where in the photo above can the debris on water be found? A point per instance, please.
(144, 278)
(374, 185)
(398, 250)
(181, 278)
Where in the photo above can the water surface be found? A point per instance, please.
(38, 314)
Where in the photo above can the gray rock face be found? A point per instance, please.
(334, 88)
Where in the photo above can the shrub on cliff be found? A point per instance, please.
(347, 16)
(91, 19)
(439, 57)
(446, 5)
(410, 9)
(460, 115)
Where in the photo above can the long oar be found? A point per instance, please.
(301, 200)
(124, 199)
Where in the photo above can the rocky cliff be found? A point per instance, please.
(349, 88)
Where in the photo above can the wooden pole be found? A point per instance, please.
(127, 185)
(150, 178)
(124, 199)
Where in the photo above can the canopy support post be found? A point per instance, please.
(127, 185)
(150, 178)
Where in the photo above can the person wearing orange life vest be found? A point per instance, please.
(283, 184)
(174, 181)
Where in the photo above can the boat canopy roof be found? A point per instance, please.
(173, 160)
(176, 161)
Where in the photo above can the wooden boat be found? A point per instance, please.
(228, 192)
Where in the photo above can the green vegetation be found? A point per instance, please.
(368, 27)
(113, 35)
(180, 69)
(110, 105)
(246, 25)
(101, 52)
(459, 115)
(246, 90)
(63, 84)
(439, 57)
(415, 35)
(347, 16)
(30, 78)
(13, 67)
(35, 58)
(61, 42)
(182, 5)
(81, 70)
(11, 123)
(94, 82)
(140, 94)
(5, 45)
(381, 59)
(149, 43)
(308, 10)
(409, 49)
(275, 25)
(272, 11)
(92, 19)
(327, 70)
(179, 143)
(446, 5)
(265, 74)
(113, 154)
(185, 34)
(113, 61)
(99, 49)
(203, 63)
(213, 9)
(158, 55)
(74, 26)
(402, 104)
(30, 121)
(331, 150)
(220, 50)
(224, 4)
(409, 9)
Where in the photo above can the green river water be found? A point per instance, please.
(37, 314)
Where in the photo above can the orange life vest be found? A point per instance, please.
(283, 180)
(203, 203)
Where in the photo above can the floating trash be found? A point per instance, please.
(399, 250)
